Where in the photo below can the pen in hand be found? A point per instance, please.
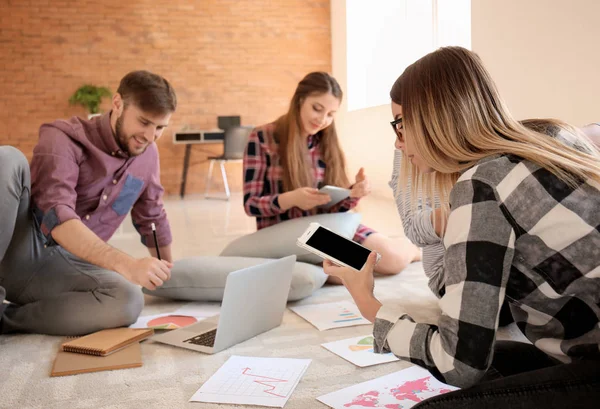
(155, 242)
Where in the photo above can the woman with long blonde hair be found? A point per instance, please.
(523, 226)
(423, 223)
(287, 160)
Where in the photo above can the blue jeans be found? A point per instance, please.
(51, 291)
(523, 377)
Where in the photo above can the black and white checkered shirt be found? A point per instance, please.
(515, 232)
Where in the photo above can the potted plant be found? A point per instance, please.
(90, 96)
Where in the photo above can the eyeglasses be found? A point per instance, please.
(397, 127)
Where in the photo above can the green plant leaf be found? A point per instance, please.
(90, 97)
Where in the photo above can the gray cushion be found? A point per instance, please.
(203, 278)
(280, 240)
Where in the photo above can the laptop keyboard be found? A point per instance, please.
(207, 339)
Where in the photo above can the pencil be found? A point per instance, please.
(155, 242)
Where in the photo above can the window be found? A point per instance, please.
(383, 37)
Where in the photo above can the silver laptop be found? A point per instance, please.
(253, 302)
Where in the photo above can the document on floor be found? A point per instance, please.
(253, 381)
(402, 389)
(186, 315)
(359, 351)
(331, 315)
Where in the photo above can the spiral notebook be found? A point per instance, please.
(68, 363)
(107, 341)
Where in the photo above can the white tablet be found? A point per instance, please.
(337, 194)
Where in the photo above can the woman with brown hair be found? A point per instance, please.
(519, 212)
(287, 160)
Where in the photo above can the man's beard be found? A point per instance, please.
(122, 139)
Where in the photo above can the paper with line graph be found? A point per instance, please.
(253, 381)
(331, 315)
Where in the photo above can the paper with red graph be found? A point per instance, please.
(399, 390)
(186, 315)
(253, 381)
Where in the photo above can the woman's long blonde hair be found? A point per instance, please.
(453, 116)
(297, 171)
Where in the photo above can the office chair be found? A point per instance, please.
(224, 122)
(234, 145)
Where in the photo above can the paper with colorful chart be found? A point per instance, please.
(359, 351)
(253, 381)
(188, 314)
(399, 390)
(331, 315)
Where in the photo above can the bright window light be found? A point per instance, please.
(383, 37)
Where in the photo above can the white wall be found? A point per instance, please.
(543, 55)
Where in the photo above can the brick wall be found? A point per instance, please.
(224, 57)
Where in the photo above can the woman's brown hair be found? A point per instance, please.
(293, 148)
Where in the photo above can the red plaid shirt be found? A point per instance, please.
(263, 181)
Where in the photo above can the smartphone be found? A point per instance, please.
(331, 246)
(337, 194)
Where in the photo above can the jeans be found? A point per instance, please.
(51, 290)
(523, 377)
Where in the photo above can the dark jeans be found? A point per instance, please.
(523, 377)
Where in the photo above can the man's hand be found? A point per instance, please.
(78, 239)
(165, 253)
(149, 272)
(362, 187)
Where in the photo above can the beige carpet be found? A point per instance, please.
(170, 375)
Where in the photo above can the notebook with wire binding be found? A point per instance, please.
(107, 341)
(68, 363)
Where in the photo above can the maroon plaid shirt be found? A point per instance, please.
(263, 181)
(79, 172)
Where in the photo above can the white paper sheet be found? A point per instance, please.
(331, 315)
(253, 381)
(402, 389)
(359, 351)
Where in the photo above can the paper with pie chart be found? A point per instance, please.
(399, 390)
(359, 351)
(165, 321)
(331, 315)
(188, 314)
(253, 381)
